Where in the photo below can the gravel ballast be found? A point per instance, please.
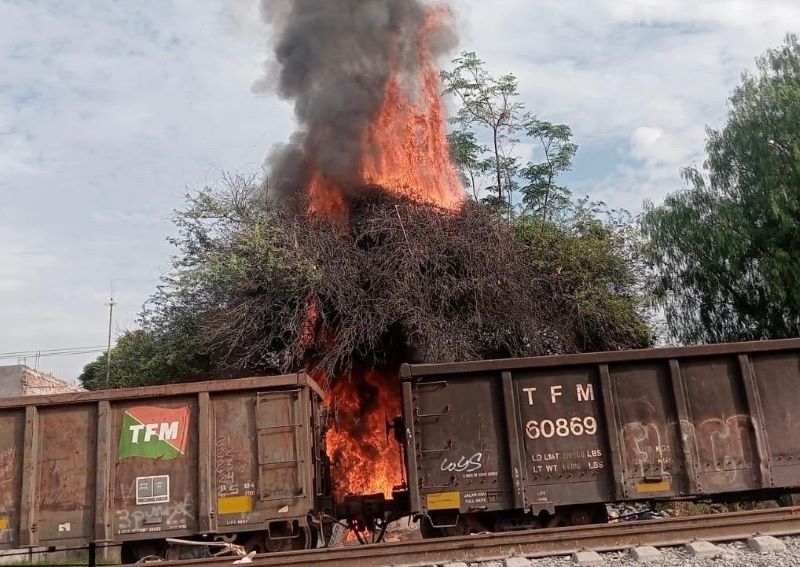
(734, 554)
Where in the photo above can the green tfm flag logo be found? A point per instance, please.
(153, 433)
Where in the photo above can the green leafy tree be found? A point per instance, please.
(489, 106)
(725, 251)
(487, 102)
(236, 275)
(143, 357)
(593, 256)
(465, 153)
(542, 194)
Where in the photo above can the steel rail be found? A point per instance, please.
(535, 543)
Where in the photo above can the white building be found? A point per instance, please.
(21, 380)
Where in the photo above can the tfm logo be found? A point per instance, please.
(153, 432)
(163, 431)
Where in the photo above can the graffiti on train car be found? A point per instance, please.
(729, 446)
(462, 464)
(723, 444)
(649, 452)
(8, 460)
(174, 515)
(225, 471)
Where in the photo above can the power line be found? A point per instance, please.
(43, 354)
(32, 352)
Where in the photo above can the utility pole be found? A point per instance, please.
(110, 305)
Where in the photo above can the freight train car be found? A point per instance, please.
(489, 445)
(240, 459)
(549, 440)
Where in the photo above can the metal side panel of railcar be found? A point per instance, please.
(538, 433)
(155, 462)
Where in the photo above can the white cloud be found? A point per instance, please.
(612, 67)
(655, 146)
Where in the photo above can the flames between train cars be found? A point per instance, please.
(366, 92)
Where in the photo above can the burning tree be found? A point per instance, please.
(259, 288)
(361, 252)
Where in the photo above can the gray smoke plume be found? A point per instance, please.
(333, 58)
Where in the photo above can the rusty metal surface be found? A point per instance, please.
(165, 390)
(151, 463)
(727, 459)
(64, 493)
(537, 543)
(777, 391)
(775, 346)
(582, 429)
(649, 433)
(565, 445)
(154, 493)
(457, 447)
(280, 448)
(12, 436)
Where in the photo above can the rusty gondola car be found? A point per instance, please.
(547, 441)
(241, 459)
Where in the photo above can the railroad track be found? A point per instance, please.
(536, 543)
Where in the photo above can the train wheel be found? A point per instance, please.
(262, 543)
(427, 530)
(466, 524)
(143, 552)
(579, 516)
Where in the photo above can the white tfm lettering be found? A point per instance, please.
(135, 430)
(168, 431)
(150, 431)
(530, 392)
(163, 431)
(585, 393)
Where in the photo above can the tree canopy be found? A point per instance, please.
(256, 288)
(724, 252)
(147, 356)
(495, 175)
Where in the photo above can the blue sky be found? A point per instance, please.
(110, 111)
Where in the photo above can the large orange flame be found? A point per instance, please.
(404, 147)
(365, 458)
(405, 152)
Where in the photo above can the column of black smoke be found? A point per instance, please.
(333, 58)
